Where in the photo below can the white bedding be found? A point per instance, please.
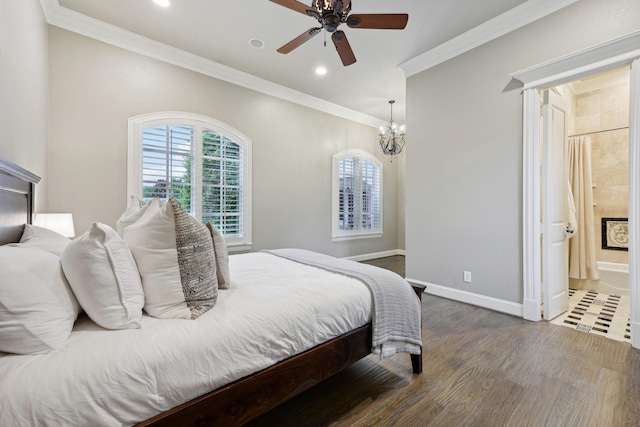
(122, 377)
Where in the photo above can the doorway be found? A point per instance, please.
(604, 57)
(591, 187)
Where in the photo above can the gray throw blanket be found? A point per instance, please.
(396, 308)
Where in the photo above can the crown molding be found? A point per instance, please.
(70, 20)
(513, 19)
(519, 16)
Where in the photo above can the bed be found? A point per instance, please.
(279, 358)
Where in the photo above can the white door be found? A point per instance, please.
(555, 243)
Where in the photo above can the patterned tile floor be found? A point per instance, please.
(597, 313)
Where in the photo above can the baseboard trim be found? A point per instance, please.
(376, 255)
(483, 301)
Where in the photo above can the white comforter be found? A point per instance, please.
(122, 377)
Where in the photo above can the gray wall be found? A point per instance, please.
(464, 165)
(96, 87)
(402, 161)
(24, 94)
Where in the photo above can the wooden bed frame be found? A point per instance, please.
(16, 200)
(244, 399)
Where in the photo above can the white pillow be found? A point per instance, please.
(37, 307)
(175, 257)
(134, 212)
(42, 238)
(222, 257)
(104, 277)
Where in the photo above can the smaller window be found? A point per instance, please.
(356, 196)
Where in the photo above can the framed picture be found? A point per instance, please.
(615, 234)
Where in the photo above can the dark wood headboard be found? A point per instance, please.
(16, 200)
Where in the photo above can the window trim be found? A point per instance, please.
(134, 160)
(338, 235)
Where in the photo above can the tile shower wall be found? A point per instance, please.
(598, 111)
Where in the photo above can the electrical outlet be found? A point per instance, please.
(467, 276)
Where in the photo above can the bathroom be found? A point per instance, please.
(598, 110)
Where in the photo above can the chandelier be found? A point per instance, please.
(391, 139)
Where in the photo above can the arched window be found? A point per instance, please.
(202, 162)
(357, 195)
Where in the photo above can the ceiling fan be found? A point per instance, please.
(330, 14)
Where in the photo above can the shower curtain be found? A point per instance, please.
(582, 247)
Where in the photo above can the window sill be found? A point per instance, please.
(344, 237)
(240, 247)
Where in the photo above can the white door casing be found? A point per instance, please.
(634, 203)
(555, 243)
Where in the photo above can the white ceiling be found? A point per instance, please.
(220, 31)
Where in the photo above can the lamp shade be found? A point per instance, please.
(61, 223)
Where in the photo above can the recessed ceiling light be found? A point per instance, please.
(163, 3)
(256, 43)
(321, 71)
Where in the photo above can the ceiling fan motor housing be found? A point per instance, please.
(329, 13)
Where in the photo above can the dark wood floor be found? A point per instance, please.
(481, 368)
(393, 263)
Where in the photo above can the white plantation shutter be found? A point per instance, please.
(347, 196)
(222, 179)
(357, 206)
(201, 162)
(168, 152)
(370, 206)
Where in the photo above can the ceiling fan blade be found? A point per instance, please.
(293, 5)
(382, 21)
(343, 47)
(306, 36)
